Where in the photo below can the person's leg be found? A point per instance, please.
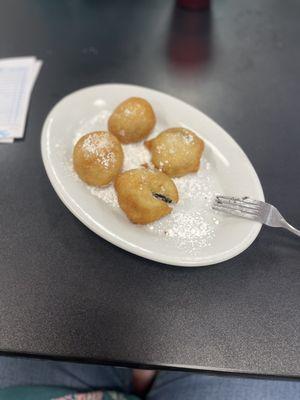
(142, 380)
(28, 371)
(182, 385)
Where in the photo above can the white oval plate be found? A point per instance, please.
(193, 234)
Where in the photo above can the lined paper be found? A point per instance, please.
(17, 78)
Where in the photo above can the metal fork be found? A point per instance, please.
(253, 209)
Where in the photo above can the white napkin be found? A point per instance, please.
(17, 78)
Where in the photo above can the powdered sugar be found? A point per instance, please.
(94, 143)
(99, 146)
(106, 194)
(135, 155)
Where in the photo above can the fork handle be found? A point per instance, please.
(289, 227)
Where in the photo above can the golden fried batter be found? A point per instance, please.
(98, 158)
(132, 120)
(176, 151)
(144, 195)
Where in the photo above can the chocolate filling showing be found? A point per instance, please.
(162, 197)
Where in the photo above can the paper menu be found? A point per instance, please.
(17, 78)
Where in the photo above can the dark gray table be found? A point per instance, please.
(66, 293)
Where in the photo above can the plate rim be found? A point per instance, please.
(122, 243)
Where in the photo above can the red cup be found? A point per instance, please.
(189, 44)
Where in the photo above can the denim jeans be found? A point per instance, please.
(167, 385)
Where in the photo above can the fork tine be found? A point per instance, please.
(236, 202)
(235, 211)
(237, 207)
(243, 200)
